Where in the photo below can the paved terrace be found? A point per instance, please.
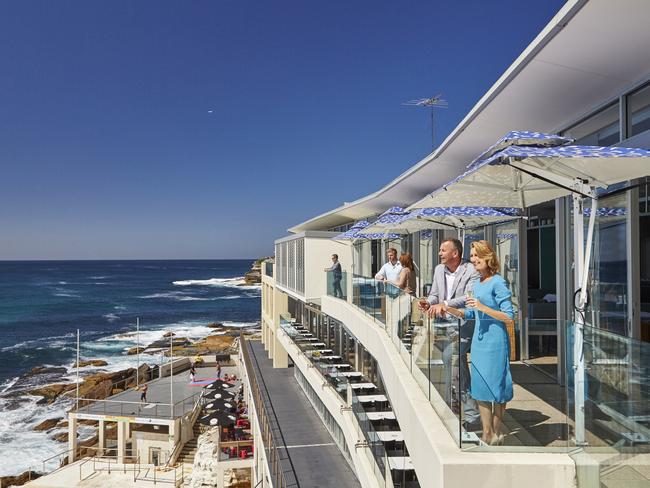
(316, 459)
(128, 403)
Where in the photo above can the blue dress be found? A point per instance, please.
(490, 369)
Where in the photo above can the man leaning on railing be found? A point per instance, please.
(452, 279)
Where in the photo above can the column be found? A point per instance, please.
(72, 438)
(122, 429)
(101, 437)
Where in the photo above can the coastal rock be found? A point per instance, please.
(18, 480)
(48, 424)
(215, 325)
(91, 362)
(169, 334)
(46, 370)
(135, 350)
(61, 437)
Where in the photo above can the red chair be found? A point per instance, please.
(243, 454)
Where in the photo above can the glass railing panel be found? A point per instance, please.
(368, 433)
(337, 285)
(542, 345)
(616, 405)
(368, 295)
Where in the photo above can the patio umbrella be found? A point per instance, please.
(520, 176)
(225, 395)
(217, 384)
(352, 231)
(459, 218)
(220, 404)
(218, 418)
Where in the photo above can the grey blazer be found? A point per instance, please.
(465, 278)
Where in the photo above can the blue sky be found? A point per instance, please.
(108, 148)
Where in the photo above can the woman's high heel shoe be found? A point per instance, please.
(497, 440)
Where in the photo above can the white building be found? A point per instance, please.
(585, 76)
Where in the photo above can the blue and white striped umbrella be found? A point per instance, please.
(524, 138)
(522, 176)
(443, 218)
(353, 231)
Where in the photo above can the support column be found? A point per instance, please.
(122, 429)
(280, 356)
(101, 437)
(72, 438)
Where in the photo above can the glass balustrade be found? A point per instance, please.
(337, 285)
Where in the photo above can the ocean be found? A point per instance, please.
(43, 303)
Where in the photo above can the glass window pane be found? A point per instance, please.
(601, 129)
(638, 106)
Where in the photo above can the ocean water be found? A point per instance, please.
(42, 304)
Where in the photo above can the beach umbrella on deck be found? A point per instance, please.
(217, 384)
(526, 174)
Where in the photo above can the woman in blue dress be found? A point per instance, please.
(491, 307)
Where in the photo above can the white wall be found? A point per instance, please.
(318, 256)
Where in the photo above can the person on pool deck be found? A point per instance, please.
(491, 307)
(143, 393)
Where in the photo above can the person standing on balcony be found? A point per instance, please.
(451, 280)
(406, 279)
(491, 307)
(391, 270)
(337, 275)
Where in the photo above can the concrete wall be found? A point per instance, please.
(143, 441)
(180, 364)
(437, 458)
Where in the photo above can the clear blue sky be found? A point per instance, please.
(108, 149)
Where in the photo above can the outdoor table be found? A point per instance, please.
(348, 374)
(372, 398)
(387, 435)
(363, 386)
(401, 463)
(313, 339)
(329, 357)
(380, 415)
(341, 365)
(318, 344)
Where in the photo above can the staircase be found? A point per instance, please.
(189, 449)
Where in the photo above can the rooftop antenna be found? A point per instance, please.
(433, 102)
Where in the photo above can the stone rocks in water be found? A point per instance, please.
(169, 334)
(48, 424)
(18, 480)
(61, 437)
(91, 362)
(215, 325)
(46, 370)
(135, 350)
(51, 392)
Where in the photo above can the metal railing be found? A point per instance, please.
(281, 468)
(130, 408)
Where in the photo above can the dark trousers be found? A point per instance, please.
(337, 288)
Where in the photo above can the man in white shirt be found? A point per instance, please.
(391, 270)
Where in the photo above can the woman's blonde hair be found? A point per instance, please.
(484, 250)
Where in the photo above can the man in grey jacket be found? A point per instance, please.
(451, 280)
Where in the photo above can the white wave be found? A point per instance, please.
(111, 317)
(63, 282)
(119, 307)
(240, 325)
(63, 294)
(169, 294)
(197, 299)
(235, 282)
(97, 277)
(8, 384)
(57, 341)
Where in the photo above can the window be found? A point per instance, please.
(638, 111)
(600, 129)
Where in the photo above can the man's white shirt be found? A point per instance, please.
(390, 271)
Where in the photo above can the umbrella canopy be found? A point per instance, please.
(442, 218)
(525, 138)
(217, 418)
(217, 385)
(352, 232)
(220, 404)
(522, 176)
(223, 394)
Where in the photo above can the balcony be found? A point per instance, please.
(540, 418)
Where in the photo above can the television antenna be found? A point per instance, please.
(432, 103)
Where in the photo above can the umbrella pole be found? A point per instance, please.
(581, 259)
